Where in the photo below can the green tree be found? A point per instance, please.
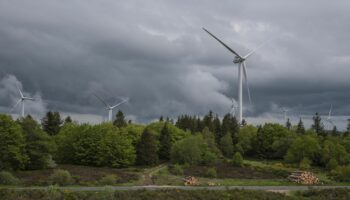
(318, 125)
(333, 150)
(210, 140)
(273, 141)
(12, 145)
(246, 138)
(68, 119)
(300, 127)
(38, 144)
(120, 120)
(334, 131)
(347, 132)
(226, 145)
(52, 122)
(192, 150)
(237, 160)
(147, 149)
(165, 143)
(303, 147)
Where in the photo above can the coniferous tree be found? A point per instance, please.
(217, 129)
(318, 125)
(130, 121)
(347, 132)
(244, 123)
(67, 120)
(165, 143)
(208, 121)
(147, 149)
(288, 124)
(300, 127)
(120, 120)
(161, 119)
(226, 145)
(52, 122)
(334, 131)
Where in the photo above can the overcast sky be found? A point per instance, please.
(156, 53)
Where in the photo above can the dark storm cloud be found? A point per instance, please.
(156, 54)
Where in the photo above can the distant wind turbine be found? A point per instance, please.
(240, 60)
(110, 108)
(21, 100)
(329, 118)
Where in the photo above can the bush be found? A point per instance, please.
(177, 170)
(341, 173)
(108, 180)
(6, 178)
(237, 160)
(211, 173)
(332, 164)
(305, 163)
(61, 177)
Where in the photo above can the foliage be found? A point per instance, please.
(52, 123)
(341, 173)
(209, 138)
(305, 163)
(12, 144)
(6, 178)
(303, 147)
(147, 149)
(237, 160)
(332, 164)
(110, 179)
(192, 150)
(211, 173)
(38, 144)
(273, 141)
(175, 133)
(245, 140)
(61, 177)
(98, 145)
(177, 169)
(165, 143)
(226, 145)
(300, 127)
(331, 149)
(120, 120)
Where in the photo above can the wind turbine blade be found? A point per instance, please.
(246, 82)
(15, 105)
(261, 45)
(227, 47)
(106, 104)
(124, 101)
(20, 92)
(330, 112)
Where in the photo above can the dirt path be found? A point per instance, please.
(149, 174)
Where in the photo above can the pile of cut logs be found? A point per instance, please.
(303, 177)
(190, 180)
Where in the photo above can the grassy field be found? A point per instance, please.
(253, 173)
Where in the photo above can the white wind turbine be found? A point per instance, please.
(240, 60)
(329, 119)
(22, 100)
(110, 108)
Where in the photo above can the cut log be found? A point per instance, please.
(303, 177)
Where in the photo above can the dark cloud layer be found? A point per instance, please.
(156, 53)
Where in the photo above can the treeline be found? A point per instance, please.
(26, 144)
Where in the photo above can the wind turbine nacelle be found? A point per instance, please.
(238, 60)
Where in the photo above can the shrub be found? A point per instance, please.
(237, 160)
(6, 178)
(177, 170)
(61, 177)
(211, 173)
(332, 164)
(108, 180)
(341, 173)
(305, 163)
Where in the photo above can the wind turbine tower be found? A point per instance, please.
(240, 60)
(22, 101)
(110, 108)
